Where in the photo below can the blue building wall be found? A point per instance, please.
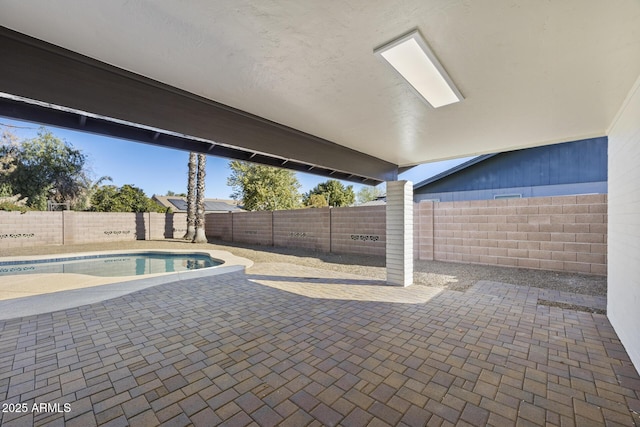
(578, 167)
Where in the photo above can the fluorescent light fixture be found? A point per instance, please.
(411, 57)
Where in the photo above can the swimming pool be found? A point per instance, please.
(112, 265)
(30, 294)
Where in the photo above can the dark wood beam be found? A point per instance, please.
(69, 120)
(37, 70)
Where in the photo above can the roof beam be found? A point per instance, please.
(69, 120)
(120, 101)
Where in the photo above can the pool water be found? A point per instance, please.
(112, 265)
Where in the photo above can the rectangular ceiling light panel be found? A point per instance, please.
(415, 62)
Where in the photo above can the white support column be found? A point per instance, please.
(400, 233)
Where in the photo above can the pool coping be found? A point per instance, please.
(89, 294)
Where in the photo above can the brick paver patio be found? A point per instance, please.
(266, 348)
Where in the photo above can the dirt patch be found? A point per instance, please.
(571, 306)
(448, 275)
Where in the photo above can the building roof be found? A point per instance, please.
(179, 204)
(380, 202)
(453, 170)
(574, 162)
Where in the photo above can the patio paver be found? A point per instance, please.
(268, 348)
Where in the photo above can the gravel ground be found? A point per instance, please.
(452, 276)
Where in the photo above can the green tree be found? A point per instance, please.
(127, 198)
(83, 201)
(13, 203)
(317, 201)
(369, 193)
(47, 167)
(8, 153)
(334, 192)
(263, 188)
(105, 199)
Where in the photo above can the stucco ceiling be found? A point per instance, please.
(532, 72)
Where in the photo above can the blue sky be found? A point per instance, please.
(157, 170)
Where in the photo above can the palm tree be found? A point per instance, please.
(200, 237)
(191, 199)
(88, 189)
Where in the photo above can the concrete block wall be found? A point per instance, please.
(27, 229)
(253, 228)
(567, 233)
(303, 228)
(423, 231)
(179, 223)
(163, 225)
(98, 227)
(564, 233)
(341, 230)
(69, 227)
(359, 230)
(218, 226)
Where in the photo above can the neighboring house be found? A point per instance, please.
(379, 201)
(178, 204)
(578, 167)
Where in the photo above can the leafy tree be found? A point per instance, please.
(317, 201)
(263, 188)
(13, 203)
(173, 193)
(83, 201)
(334, 192)
(369, 193)
(106, 199)
(47, 167)
(127, 198)
(8, 153)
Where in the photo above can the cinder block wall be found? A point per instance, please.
(218, 226)
(423, 231)
(163, 225)
(179, 225)
(253, 228)
(567, 233)
(359, 230)
(303, 228)
(97, 227)
(19, 229)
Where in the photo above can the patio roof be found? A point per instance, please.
(300, 85)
